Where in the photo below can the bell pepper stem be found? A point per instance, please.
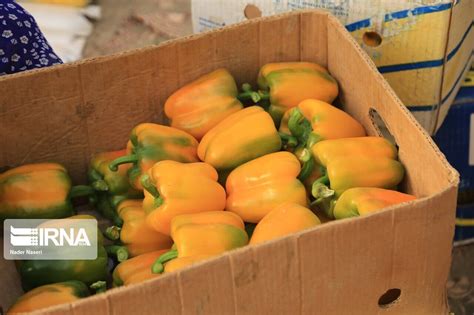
(299, 126)
(148, 186)
(158, 265)
(288, 140)
(99, 286)
(112, 233)
(100, 185)
(131, 158)
(320, 191)
(95, 175)
(313, 139)
(81, 191)
(120, 252)
(308, 165)
(249, 94)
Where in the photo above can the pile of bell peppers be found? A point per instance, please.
(233, 169)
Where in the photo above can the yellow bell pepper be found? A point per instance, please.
(137, 237)
(285, 219)
(362, 201)
(200, 105)
(173, 188)
(257, 187)
(202, 237)
(241, 137)
(136, 269)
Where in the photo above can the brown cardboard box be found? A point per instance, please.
(69, 112)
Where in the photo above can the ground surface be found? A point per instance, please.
(128, 24)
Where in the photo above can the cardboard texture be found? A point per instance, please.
(423, 48)
(68, 112)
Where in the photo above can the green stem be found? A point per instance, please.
(112, 233)
(288, 140)
(99, 286)
(321, 192)
(158, 265)
(313, 139)
(95, 175)
(148, 185)
(100, 185)
(249, 94)
(131, 158)
(120, 252)
(299, 126)
(81, 191)
(308, 165)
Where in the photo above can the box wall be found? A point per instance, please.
(318, 268)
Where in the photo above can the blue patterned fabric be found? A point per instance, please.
(22, 45)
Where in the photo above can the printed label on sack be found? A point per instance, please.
(62, 239)
(471, 141)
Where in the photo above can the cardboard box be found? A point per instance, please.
(358, 266)
(423, 48)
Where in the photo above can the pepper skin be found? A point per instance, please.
(135, 234)
(313, 121)
(38, 191)
(35, 273)
(285, 219)
(180, 263)
(202, 239)
(173, 188)
(363, 201)
(241, 137)
(257, 187)
(136, 269)
(208, 217)
(150, 143)
(49, 295)
(270, 67)
(329, 150)
(288, 87)
(355, 171)
(200, 105)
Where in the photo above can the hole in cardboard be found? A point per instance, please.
(251, 11)
(372, 39)
(389, 298)
(380, 126)
(467, 80)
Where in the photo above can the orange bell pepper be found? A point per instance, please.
(362, 201)
(136, 269)
(38, 191)
(208, 217)
(173, 188)
(329, 150)
(258, 186)
(355, 171)
(285, 219)
(205, 236)
(266, 69)
(137, 237)
(316, 158)
(151, 143)
(313, 121)
(287, 84)
(200, 105)
(49, 295)
(241, 137)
